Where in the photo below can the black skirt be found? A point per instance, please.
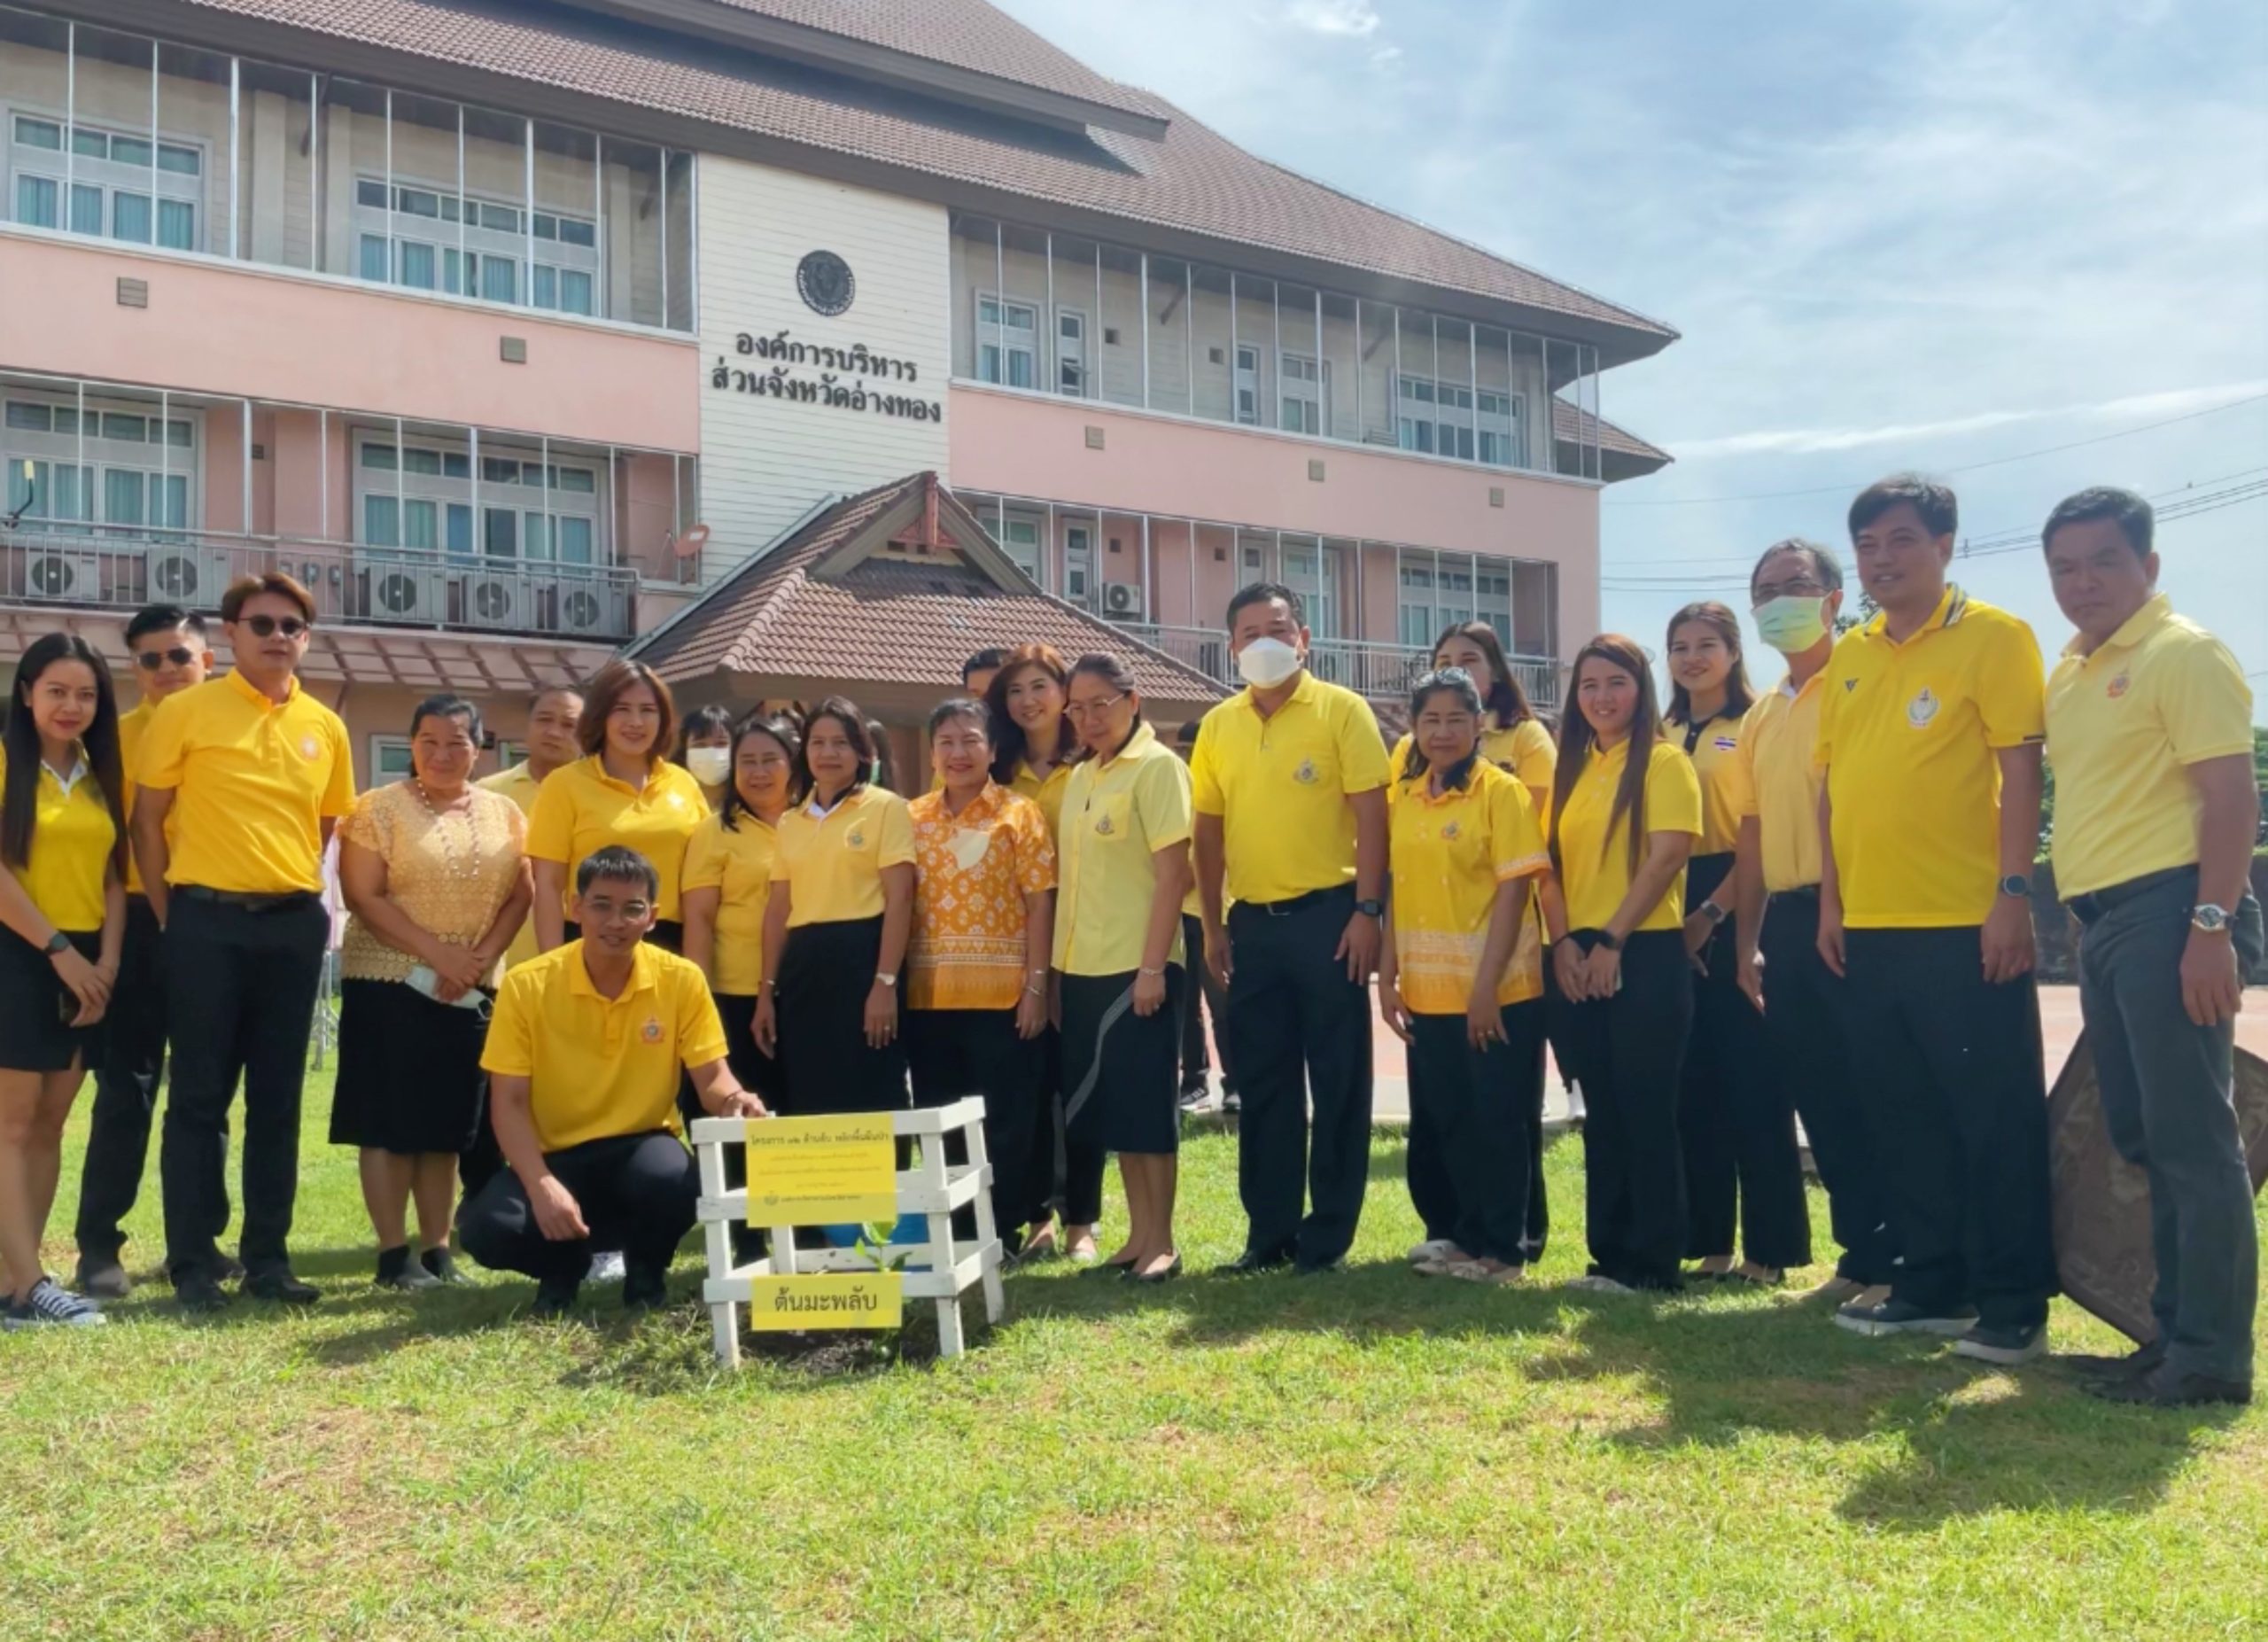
(409, 1076)
(34, 1035)
(820, 1000)
(1121, 1071)
(758, 1072)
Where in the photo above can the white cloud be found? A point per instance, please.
(1355, 19)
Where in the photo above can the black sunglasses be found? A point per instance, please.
(269, 626)
(151, 661)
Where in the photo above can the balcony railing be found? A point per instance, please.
(1381, 672)
(112, 567)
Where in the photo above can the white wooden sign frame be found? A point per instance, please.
(931, 1189)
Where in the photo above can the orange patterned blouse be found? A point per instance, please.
(972, 872)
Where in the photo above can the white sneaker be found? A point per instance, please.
(50, 1301)
(606, 1267)
(1421, 1253)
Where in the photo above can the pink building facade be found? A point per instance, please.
(471, 321)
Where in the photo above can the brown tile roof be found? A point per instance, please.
(786, 615)
(1193, 182)
(1569, 424)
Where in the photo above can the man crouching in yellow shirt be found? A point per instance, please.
(582, 1056)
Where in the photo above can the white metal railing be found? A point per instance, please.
(1366, 666)
(116, 567)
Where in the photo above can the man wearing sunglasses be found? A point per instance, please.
(242, 779)
(170, 655)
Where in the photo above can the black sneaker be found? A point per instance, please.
(555, 1296)
(278, 1285)
(1196, 1100)
(2133, 1366)
(645, 1287)
(1253, 1261)
(1318, 1268)
(443, 1266)
(200, 1290)
(104, 1277)
(50, 1304)
(1895, 1316)
(2006, 1345)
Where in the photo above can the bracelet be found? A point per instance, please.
(1154, 973)
(1034, 991)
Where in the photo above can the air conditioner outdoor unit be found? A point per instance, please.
(594, 608)
(493, 601)
(191, 577)
(1122, 601)
(62, 573)
(407, 592)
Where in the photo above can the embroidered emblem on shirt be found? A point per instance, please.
(1448, 832)
(1849, 685)
(2118, 687)
(1103, 828)
(310, 748)
(858, 839)
(1305, 774)
(677, 800)
(1726, 744)
(1922, 709)
(651, 1031)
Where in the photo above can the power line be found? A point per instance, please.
(1970, 467)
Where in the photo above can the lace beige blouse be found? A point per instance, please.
(450, 872)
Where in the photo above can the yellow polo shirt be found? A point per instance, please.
(598, 1067)
(1594, 860)
(833, 864)
(131, 728)
(72, 836)
(1527, 750)
(1715, 752)
(1910, 733)
(520, 787)
(1449, 855)
(1777, 741)
(1047, 794)
(253, 780)
(580, 809)
(1280, 786)
(2124, 725)
(736, 862)
(1116, 816)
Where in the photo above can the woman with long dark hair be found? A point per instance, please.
(1626, 809)
(1124, 841)
(1738, 1129)
(839, 915)
(62, 931)
(704, 741)
(624, 790)
(1464, 851)
(729, 889)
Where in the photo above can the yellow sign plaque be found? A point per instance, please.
(821, 1170)
(826, 1300)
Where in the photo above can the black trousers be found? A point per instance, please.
(953, 1052)
(1299, 1029)
(240, 998)
(1950, 1068)
(1733, 1115)
(638, 1193)
(126, 1090)
(1807, 1048)
(1061, 1175)
(1425, 1164)
(1474, 1105)
(1629, 1050)
(1196, 1062)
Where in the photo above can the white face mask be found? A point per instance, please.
(1265, 663)
(710, 764)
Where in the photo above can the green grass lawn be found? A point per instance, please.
(1364, 1455)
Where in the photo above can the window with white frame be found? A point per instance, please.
(1019, 537)
(120, 185)
(466, 246)
(1307, 392)
(128, 466)
(419, 497)
(1247, 386)
(1071, 353)
(1007, 341)
(1079, 565)
(1450, 419)
(390, 759)
(1311, 571)
(1495, 595)
(1417, 592)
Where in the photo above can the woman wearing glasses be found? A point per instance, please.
(435, 872)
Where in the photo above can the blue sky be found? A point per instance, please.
(1934, 235)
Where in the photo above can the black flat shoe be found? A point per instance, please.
(1253, 1262)
(1106, 1268)
(198, 1292)
(1172, 1270)
(282, 1288)
(2133, 1366)
(2162, 1387)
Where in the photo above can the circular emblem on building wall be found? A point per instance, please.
(823, 280)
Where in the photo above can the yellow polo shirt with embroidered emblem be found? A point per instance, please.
(1715, 748)
(580, 809)
(596, 1066)
(72, 836)
(1449, 855)
(2124, 725)
(1594, 872)
(736, 862)
(1526, 750)
(1779, 740)
(520, 787)
(1117, 814)
(832, 864)
(252, 781)
(1280, 786)
(1910, 736)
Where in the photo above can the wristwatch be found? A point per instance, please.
(2017, 885)
(890, 981)
(1370, 909)
(60, 942)
(1714, 913)
(2208, 917)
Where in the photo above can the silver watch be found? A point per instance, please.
(2210, 918)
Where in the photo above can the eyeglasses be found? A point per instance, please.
(269, 626)
(1092, 709)
(1801, 587)
(151, 661)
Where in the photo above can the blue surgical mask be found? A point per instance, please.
(1791, 624)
